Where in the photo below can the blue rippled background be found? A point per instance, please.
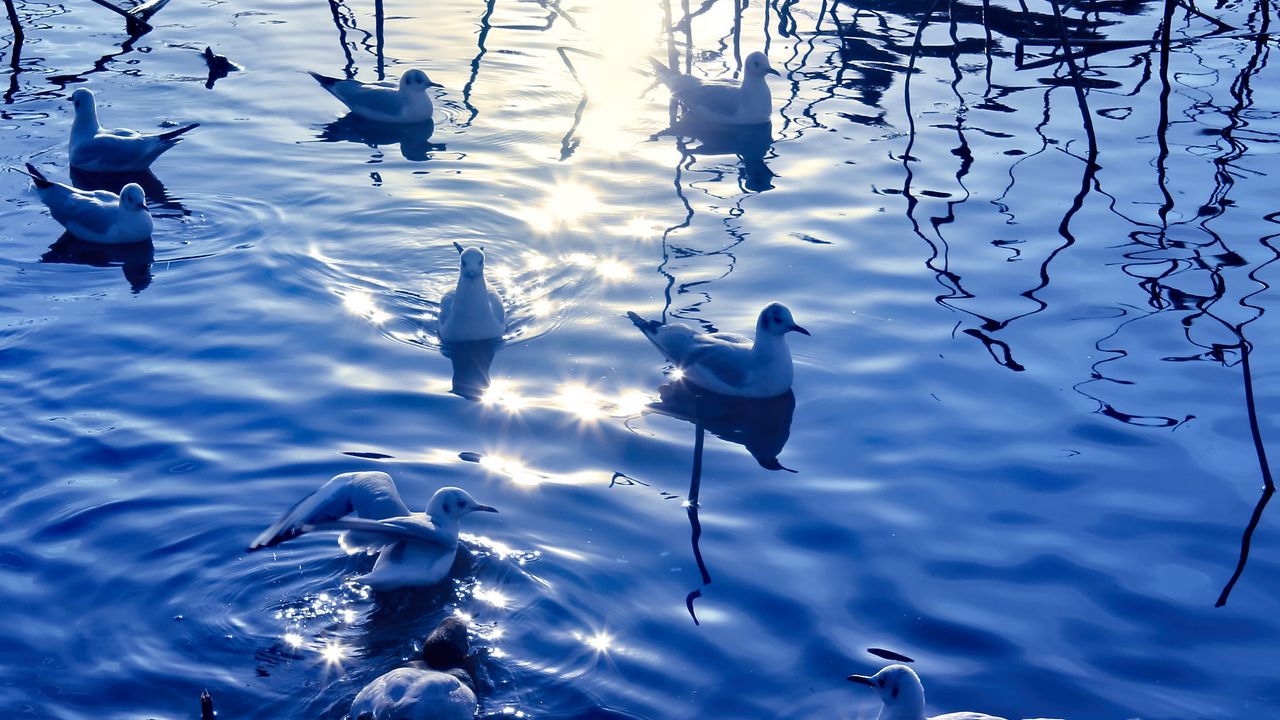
(1022, 429)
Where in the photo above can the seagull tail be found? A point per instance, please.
(172, 138)
(206, 706)
(665, 74)
(326, 82)
(36, 176)
(648, 327)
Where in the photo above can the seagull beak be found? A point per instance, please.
(799, 329)
(862, 679)
(144, 206)
(485, 508)
(432, 83)
(771, 71)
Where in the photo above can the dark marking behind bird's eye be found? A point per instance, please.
(895, 692)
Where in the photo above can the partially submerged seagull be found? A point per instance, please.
(471, 311)
(730, 364)
(98, 149)
(406, 102)
(416, 549)
(903, 696)
(437, 687)
(98, 216)
(746, 104)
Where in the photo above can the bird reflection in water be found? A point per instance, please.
(761, 425)
(471, 362)
(135, 259)
(751, 143)
(159, 203)
(414, 139)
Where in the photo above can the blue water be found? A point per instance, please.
(1021, 429)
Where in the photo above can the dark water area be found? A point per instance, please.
(1028, 434)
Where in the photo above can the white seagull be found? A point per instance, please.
(98, 216)
(417, 549)
(747, 104)
(437, 687)
(903, 696)
(98, 149)
(471, 311)
(405, 103)
(730, 364)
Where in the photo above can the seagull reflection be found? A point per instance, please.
(414, 139)
(219, 67)
(761, 425)
(471, 361)
(751, 143)
(135, 259)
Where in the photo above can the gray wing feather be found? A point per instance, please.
(722, 99)
(69, 205)
(405, 528)
(378, 99)
(368, 494)
(727, 362)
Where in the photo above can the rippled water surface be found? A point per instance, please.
(1027, 431)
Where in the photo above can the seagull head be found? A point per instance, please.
(776, 319)
(758, 65)
(471, 263)
(132, 197)
(453, 503)
(898, 686)
(83, 102)
(447, 646)
(417, 81)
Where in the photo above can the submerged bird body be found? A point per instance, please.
(98, 216)
(405, 102)
(98, 149)
(416, 549)
(437, 687)
(471, 311)
(726, 363)
(748, 103)
(903, 696)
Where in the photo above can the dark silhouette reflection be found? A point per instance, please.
(414, 139)
(761, 425)
(471, 361)
(751, 143)
(135, 259)
(219, 67)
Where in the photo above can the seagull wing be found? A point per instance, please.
(373, 98)
(117, 151)
(415, 527)
(717, 99)
(95, 212)
(446, 306)
(730, 362)
(495, 307)
(367, 494)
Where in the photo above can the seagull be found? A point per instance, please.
(417, 549)
(472, 311)
(747, 104)
(98, 216)
(97, 149)
(903, 696)
(437, 687)
(730, 364)
(384, 102)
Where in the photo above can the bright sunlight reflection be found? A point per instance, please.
(503, 393)
(580, 401)
(492, 597)
(333, 653)
(359, 302)
(601, 642)
(567, 203)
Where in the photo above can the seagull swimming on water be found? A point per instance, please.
(98, 149)
(406, 102)
(903, 696)
(437, 687)
(730, 364)
(98, 216)
(416, 549)
(746, 104)
(471, 311)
